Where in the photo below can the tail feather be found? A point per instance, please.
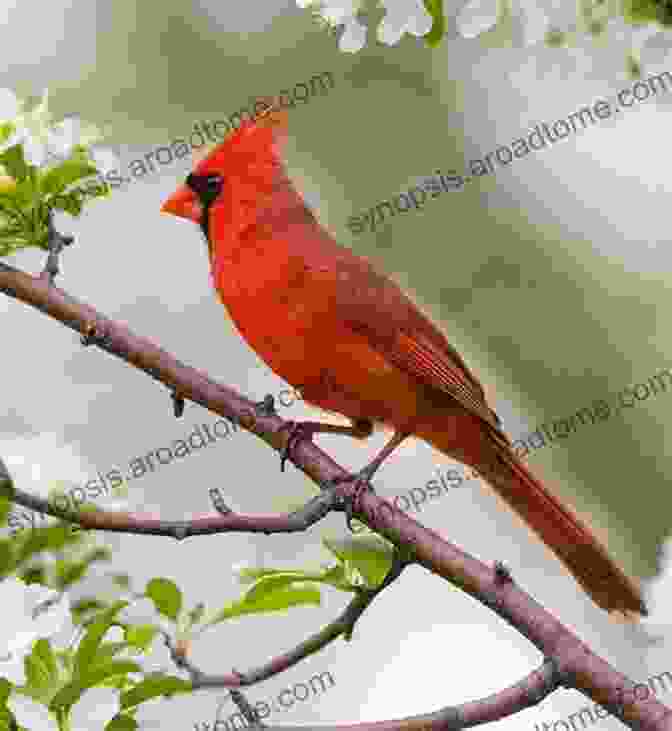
(561, 530)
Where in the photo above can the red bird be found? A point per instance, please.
(318, 314)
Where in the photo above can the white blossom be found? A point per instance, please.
(529, 20)
(29, 612)
(44, 140)
(403, 16)
(10, 106)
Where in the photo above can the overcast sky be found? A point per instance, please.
(551, 277)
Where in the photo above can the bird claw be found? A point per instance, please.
(178, 402)
(266, 407)
(350, 502)
(295, 432)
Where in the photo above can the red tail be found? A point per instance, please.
(560, 529)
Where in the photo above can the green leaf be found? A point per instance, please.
(7, 720)
(94, 635)
(140, 636)
(69, 171)
(37, 682)
(6, 131)
(14, 162)
(34, 575)
(72, 692)
(166, 596)
(5, 508)
(6, 560)
(70, 202)
(84, 606)
(337, 576)
(642, 11)
(269, 584)
(5, 691)
(271, 600)
(119, 682)
(122, 722)
(66, 659)
(100, 553)
(152, 687)
(370, 555)
(68, 572)
(196, 614)
(122, 580)
(43, 653)
(438, 29)
(52, 538)
(43, 678)
(108, 650)
(100, 671)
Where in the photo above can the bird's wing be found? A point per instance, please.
(394, 326)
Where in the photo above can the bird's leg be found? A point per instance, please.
(359, 429)
(363, 477)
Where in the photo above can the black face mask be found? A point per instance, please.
(207, 188)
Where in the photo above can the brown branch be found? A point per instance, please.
(577, 665)
(528, 692)
(121, 522)
(342, 625)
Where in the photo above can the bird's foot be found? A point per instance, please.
(359, 429)
(178, 402)
(266, 407)
(297, 430)
(362, 484)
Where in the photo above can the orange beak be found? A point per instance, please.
(184, 203)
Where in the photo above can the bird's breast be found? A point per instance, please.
(273, 302)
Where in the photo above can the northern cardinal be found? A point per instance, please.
(318, 314)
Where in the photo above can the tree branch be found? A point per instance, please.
(121, 522)
(578, 666)
(343, 625)
(528, 692)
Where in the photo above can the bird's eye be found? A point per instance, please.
(205, 184)
(213, 183)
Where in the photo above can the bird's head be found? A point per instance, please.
(239, 170)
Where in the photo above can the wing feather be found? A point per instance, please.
(397, 329)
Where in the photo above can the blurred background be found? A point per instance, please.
(550, 276)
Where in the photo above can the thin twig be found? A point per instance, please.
(342, 625)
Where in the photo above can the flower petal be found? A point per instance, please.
(13, 668)
(30, 714)
(421, 22)
(34, 151)
(476, 17)
(10, 106)
(96, 707)
(390, 31)
(104, 158)
(62, 137)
